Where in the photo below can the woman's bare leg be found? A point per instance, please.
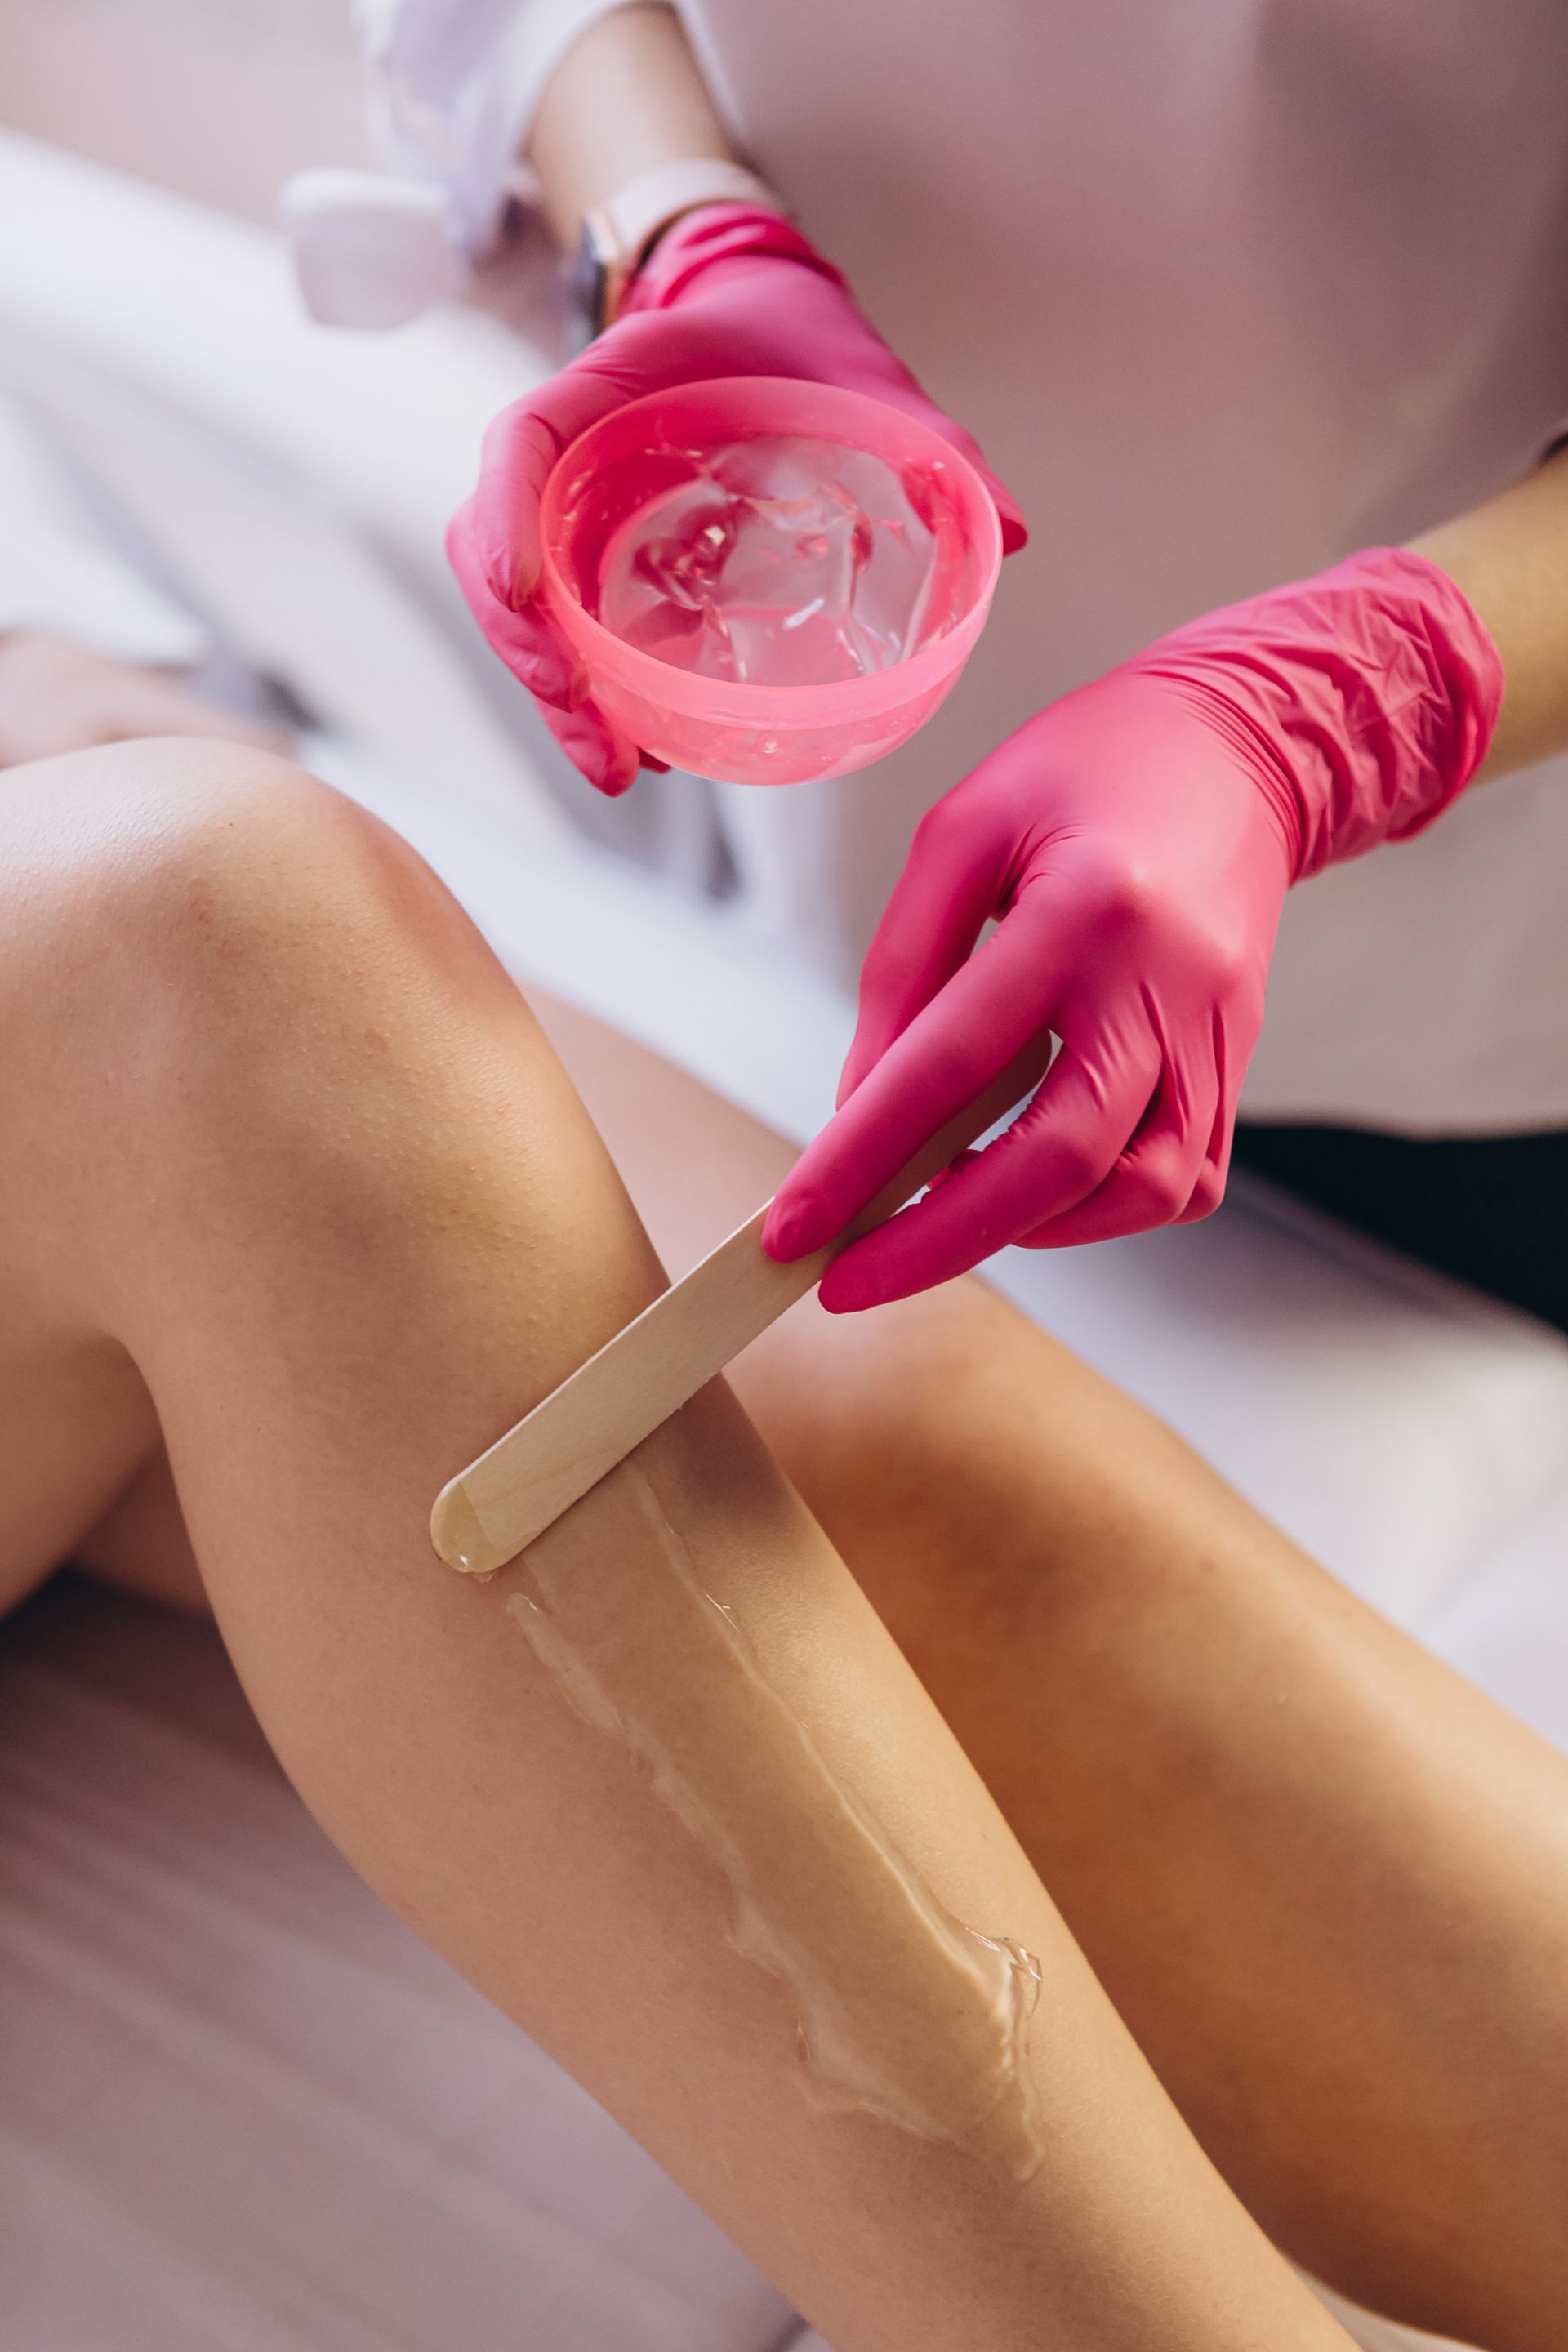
(1223, 1765)
(280, 1135)
(1325, 1880)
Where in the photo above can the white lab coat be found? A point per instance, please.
(1225, 289)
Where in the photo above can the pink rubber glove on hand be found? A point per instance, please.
(1135, 842)
(731, 290)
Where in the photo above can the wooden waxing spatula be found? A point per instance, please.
(521, 1486)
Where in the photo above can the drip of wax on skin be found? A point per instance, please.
(904, 2012)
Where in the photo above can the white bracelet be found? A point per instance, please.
(617, 234)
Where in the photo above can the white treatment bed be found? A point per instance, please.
(240, 2109)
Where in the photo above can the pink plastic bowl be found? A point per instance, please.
(735, 732)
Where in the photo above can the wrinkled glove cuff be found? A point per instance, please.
(1366, 698)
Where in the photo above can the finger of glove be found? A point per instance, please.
(893, 383)
(1151, 1184)
(947, 1056)
(1208, 1188)
(1014, 530)
(939, 906)
(599, 751)
(1232, 1051)
(1055, 1153)
(523, 639)
(519, 454)
(530, 650)
(1206, 1196)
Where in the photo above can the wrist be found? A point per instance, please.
(626, 99)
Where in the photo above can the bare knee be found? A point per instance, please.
(207, 904)
(163, 849)
(221, 964)
(236, 876)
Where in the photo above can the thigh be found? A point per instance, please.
(75, 1425)
(83, 1474)
(75, 1419)
(141, 1544)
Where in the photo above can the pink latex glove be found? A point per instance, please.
(1135, 842)
(729, 290)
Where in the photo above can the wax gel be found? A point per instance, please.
(780, 561)
(902, 2011)
(765, 579)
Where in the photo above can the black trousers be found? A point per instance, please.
(1491, 1209)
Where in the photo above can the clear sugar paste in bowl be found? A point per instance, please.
(767, 581)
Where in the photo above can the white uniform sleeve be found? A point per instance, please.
(451, 90)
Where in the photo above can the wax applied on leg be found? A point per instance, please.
(903, 2011)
